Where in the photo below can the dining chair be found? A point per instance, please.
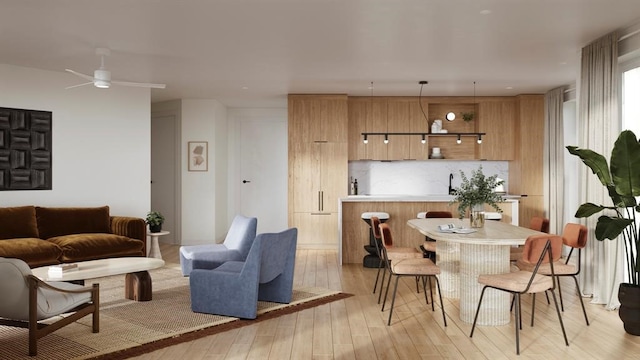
(575, 237)
(394, 252)
(408, 266)
(429, 246)
(536, 223)
(538, 250)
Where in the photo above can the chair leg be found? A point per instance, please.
(417, 286)
(393, 300)
(560, 293)
(444, 317)
(475, 318)
(518, 321)
(564, 333)
(431, 292)
(375, 285)
(424, 289)
(386, 293)
(584, 311)
(533, 309)
(384, 273)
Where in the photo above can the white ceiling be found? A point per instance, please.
(252, 53)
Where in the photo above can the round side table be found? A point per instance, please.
(154, 250)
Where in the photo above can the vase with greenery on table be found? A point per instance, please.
(474, 192)
(154, 220)
(621, 178)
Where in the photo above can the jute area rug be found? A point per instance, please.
(130, 328)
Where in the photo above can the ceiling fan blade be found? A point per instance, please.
(86, 77)
(146, 85)
(74, 86)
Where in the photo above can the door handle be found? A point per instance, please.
(246, 181)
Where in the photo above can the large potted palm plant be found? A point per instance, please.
(622, 179)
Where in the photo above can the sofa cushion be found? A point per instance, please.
(81, 247)
(72, 220)
(35, 252)
(18, 222)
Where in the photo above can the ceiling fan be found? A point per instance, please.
(102, 77)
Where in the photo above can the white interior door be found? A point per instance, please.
(163, 173)
(263, 173)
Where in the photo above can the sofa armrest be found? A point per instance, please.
(131, 227)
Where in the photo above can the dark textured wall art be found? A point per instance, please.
(25, 149)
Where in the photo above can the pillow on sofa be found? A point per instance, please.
(18, 222)
(72, 220)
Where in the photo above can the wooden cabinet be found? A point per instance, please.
(497, 119)
(317, 167)
(317, 118)
(318, 175)
(525, 171)
(494, 116)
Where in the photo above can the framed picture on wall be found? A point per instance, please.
(198, 156)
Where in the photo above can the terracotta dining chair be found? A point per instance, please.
(536, 223)
(407, 266)
(574, 236)
(429, 246)
(538, 251)
(393, 253)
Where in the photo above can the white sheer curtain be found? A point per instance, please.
(599, 126)
(554, 153)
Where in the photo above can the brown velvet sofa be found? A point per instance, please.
(51, 235)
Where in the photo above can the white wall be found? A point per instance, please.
(204, 195)
(101, 141)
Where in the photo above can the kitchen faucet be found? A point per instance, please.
(451, 191)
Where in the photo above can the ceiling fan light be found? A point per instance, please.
(102, 78)
(102, 84)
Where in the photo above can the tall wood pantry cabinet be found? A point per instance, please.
(318, 167)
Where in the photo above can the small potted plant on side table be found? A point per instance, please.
(154, 220)
(474, 192)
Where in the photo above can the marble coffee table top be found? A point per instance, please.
(100, 268)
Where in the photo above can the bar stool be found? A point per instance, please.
(372, 259)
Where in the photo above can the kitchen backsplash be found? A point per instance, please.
(418, 177)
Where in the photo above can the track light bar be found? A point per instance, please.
(422, 135)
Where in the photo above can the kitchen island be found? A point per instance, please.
(354, 232)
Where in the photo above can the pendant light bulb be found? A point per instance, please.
(366, 141)
(424, 140)
(459, 141)
(386, 138)
(479, 139)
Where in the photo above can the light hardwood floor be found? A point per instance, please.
(355, 328)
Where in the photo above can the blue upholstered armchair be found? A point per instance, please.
(235, 247)
(234, 288)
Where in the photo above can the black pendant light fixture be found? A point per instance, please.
(423, 135)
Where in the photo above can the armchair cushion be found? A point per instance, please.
(235, 247)
(14, 303)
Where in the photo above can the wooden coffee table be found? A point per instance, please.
(137, 278)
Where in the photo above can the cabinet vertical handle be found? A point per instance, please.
(319, 204)
(322, 201)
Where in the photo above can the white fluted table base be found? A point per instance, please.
(483, 259)
(448, 259)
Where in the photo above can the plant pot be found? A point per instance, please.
(476, 216)
(629, 296)
(155, 228)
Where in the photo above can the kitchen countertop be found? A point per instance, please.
(411, 198)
